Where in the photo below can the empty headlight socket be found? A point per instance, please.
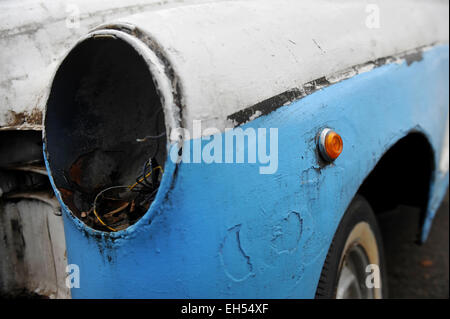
(105, 134)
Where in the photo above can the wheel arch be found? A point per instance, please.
(402, 176)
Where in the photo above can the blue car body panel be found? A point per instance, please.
(225, 231)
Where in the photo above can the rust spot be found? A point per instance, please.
(75, 171)
(65, 192)
(19, 118)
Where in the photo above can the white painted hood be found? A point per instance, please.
(227, 55)
(232, 55)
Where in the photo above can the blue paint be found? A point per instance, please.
(225, 231)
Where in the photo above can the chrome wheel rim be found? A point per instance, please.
(351, 282)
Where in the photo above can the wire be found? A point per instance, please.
(129, 188)
(95, 206)
(146, 176)
(155, 137)
(145, 182)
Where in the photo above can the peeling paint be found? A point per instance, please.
(270, 105)
(32, 118)
(413, 57)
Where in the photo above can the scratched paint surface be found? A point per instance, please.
(225, 231)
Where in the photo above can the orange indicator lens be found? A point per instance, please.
(333, 145)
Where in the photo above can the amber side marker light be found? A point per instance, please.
(330, 145)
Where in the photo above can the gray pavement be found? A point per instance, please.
(416, 271)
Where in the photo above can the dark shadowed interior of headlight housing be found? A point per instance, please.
(105, 134)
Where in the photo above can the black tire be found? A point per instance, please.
(359, 213)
